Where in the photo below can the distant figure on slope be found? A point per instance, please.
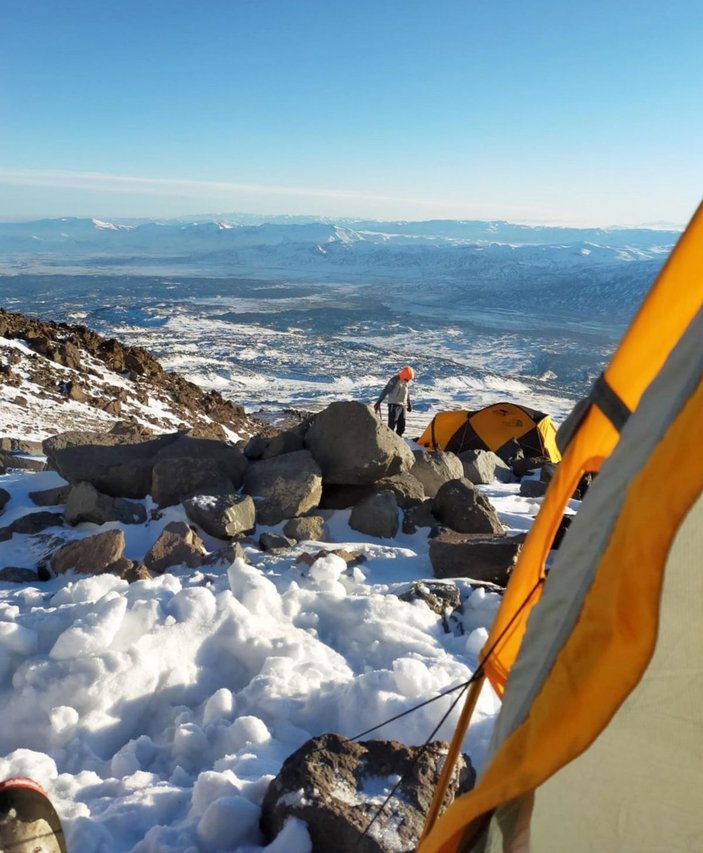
(398, 395)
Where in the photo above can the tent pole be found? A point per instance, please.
(452, 754)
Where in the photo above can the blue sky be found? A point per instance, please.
(583, 113)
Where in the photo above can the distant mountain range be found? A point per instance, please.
(296, 299)
(219, 232)
(468, 252)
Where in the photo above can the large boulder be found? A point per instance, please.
(285, 442)
(31, 523)
(376, 515)
(286, 485)
(417, 516)
(177, 545)
(86, 503)
(352, 446)
(230, 459)
(274, 543)
(533, 488)
(16, 574)
(21, 445)
(326, 785)
(254, 448)
(339, 496)
(10, 461)
(121, 464)
(68, 354)
(481, 557)
(522, 467)
(484, 466)
(4, 498)
(459, 505)
(175, 478)
(225, 555)
(306, 527)
(224, 515)
(91, 555)
(435, 468)
(407, 490)
(74, 391)
(118, 465)
(50, 497)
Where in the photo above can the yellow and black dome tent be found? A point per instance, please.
(492, 428)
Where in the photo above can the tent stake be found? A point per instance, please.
(452, 754)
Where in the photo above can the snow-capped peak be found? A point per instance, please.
(110, 226)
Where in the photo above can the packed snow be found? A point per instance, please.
(156, 713)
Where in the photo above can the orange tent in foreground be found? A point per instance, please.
(603, 596)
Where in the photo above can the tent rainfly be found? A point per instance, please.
(599, 742)
(495, 428)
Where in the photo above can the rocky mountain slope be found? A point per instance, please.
(57, 377)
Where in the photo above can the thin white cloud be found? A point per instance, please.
(100, 182)
(147, 196)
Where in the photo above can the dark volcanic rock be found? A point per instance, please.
(460, 506)
(25, 463)
(225, 555)
(122, 464)
(91, 555)
(376, 515)
(420, 515)
(178, 544)
(14, 574)
(435, 468)
(50, 497)
(118, 465)
(285, 442)
(275, 543)
(306, 527)
(287, 485)
(31, 523)
(482, 557)
(407, 489)
(439, 597)
(528, 463)
(86, 503)
(223, 515)
(175, 479)
(229, 458)
(351, 558)
(484, 466)
(325, 782)
(352, 446)
(533, 488)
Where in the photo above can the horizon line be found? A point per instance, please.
(187, 219)
(94, 181)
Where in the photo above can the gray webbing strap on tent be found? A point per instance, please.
(610, 403)
(607, 400)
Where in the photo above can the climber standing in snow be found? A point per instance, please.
(398, 395)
